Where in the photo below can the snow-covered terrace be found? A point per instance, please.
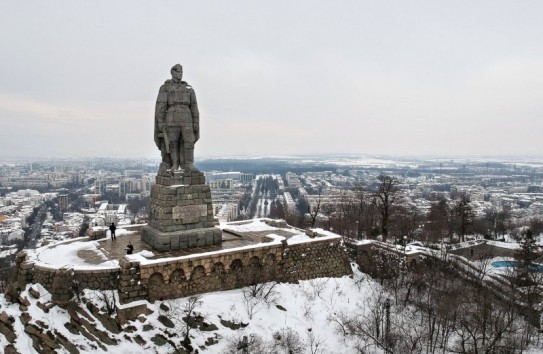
(85, 254)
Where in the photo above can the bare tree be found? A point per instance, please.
(491, 216)
(315, 288)
(348, 218)
(314, 211)
(407, 219)
(107, 297)
(277, 210)
(481, 268)
(258, 295)
(315, 343)
(371, 325)
(361, 206)
(248, 344)
(134, 206)
(486, 326)
(504, 220)
(288, 340)
(341, 320)
(383, 198)
(183, 314)
(259, 292)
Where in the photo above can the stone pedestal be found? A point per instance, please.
(181, 213)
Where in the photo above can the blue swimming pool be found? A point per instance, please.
(515, 264)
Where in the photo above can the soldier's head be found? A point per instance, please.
(177, 72)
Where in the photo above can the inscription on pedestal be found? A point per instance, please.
(189, 213)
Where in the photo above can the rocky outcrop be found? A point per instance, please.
(6, 327)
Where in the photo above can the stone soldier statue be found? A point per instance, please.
(177, 123)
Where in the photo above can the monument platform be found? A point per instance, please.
(113, 250)
(105, 250)
(181, 213)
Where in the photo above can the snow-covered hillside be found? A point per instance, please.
(304, 312)
(327, 315)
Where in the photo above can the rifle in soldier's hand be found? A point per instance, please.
(166, 139)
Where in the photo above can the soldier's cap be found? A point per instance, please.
(176, 67)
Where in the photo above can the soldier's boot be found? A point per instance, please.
(189, 160)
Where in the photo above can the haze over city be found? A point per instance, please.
(331, 178)
(274, 78)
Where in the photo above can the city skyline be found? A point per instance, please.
(278, 79)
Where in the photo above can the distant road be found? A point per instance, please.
(31, 238)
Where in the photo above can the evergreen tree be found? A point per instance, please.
(528, 249)
(526, 274)
(465, 215)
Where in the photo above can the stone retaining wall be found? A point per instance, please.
(232, 269)
(199, 273)
(364, 254)
(316, 259)
(62, 281)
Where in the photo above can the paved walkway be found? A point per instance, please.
(115, 249)
(482, 251)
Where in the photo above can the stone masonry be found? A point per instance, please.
(181, 213)
(231, 269)
(62, 281)
(193, 274)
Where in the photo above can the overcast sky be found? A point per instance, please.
(80, 78)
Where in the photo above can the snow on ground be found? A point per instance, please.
(363, 242)
(7, 252)
(303, 238)
(120, 232)
(508, 245)
(310, 305)
(305, 306)
(485, 266)
(66, 254)
(539, 239)
(248, 226)
(147, 254)
(467, 244)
